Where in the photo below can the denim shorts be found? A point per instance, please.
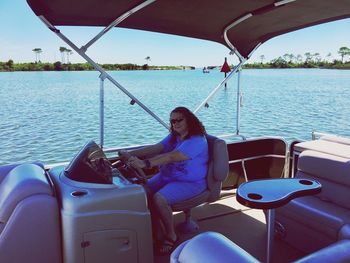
(175, 191)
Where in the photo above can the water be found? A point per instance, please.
(48, 116)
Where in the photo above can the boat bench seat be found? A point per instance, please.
(312, 222)
(29, 216)
(212, 247)
(336, 139)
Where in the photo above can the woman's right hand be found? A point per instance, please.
(124, 154)
(136, 162)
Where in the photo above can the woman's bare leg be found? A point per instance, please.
(166, 216)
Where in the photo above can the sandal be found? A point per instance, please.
(166, 246)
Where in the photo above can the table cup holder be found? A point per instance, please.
(254, 196)
(305, 182)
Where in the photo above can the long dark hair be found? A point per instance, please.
(194, 125)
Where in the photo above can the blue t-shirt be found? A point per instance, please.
(191, 170)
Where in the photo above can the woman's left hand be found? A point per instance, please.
(136, 162)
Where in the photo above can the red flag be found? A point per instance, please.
(225, 67)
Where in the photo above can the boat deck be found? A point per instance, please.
(244, 226)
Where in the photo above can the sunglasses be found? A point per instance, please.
(174, 121)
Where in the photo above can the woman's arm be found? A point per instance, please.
(150, 150)
(170, 157)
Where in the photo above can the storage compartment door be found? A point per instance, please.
(109, 246)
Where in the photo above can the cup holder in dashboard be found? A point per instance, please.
(79, 193)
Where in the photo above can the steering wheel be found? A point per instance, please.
(137, 172)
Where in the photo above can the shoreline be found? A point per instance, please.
(10, 66)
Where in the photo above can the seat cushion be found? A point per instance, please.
(210, 247)
(318, 215)
(22, 181)
(336, 139)
(218, 166)
(192, 202)
(322, 165)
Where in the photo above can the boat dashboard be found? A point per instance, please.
(90, 165)
(101, 203)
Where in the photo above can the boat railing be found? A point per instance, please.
(317, 135)
(132, 147)
(232, 135)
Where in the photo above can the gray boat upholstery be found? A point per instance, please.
(212, 247)
(313, 222)
(336, 139)
(327, 145)
(218, 168)
(29, 216)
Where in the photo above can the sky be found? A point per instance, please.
(21, 31)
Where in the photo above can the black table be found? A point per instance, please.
(272, 193)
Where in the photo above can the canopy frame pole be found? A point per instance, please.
(102, 103)
(116, 22)
(259, 11)
(239, 100)
(228, 42)
(81, 52)
(241, 58)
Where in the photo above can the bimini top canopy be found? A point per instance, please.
(240, 24)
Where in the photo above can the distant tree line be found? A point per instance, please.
(309, 60)
(58, 66)
(65, 65)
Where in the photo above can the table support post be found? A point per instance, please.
(270, 224)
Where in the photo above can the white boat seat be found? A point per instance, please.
(337, 139)
(218, 169)
(29, 217)
(313, 222)
(325, 146)
(212, 247)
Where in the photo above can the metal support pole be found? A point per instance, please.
(116, 22)
(102, 103)
(238, 119)
(270, 224)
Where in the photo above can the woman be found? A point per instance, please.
(183, 160)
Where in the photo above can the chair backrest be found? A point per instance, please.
(218, 166)
(332, 171)
(21, 182)
(29, 217)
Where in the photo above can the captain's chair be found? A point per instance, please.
(218, 169)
